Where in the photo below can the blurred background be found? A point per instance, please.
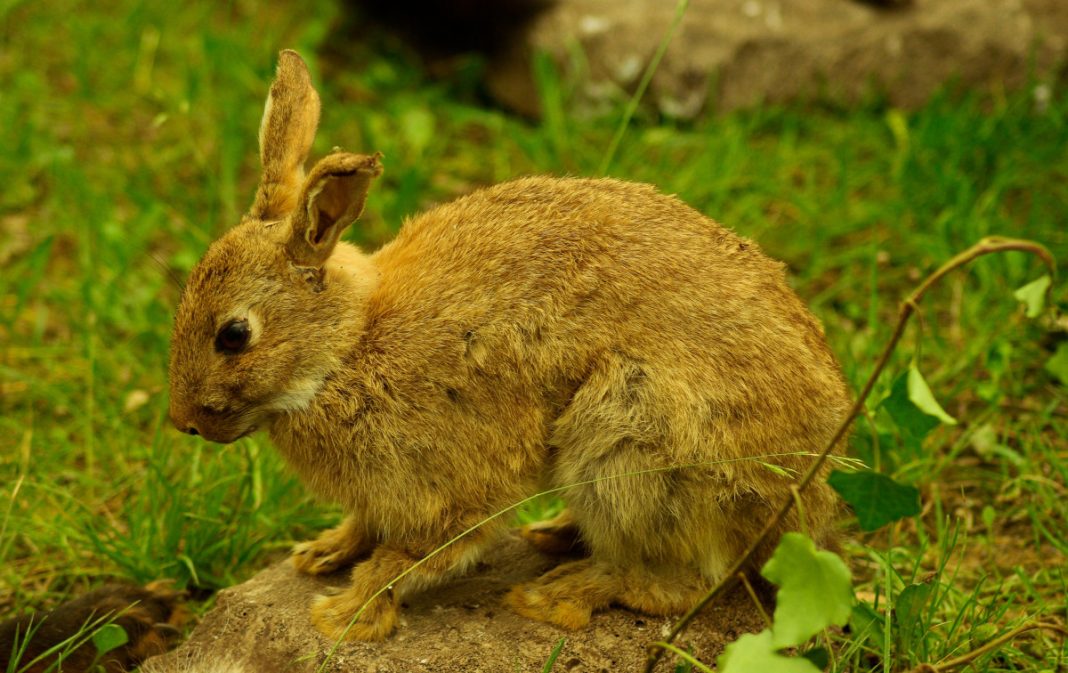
(861, 143)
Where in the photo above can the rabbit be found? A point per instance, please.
(592, 334)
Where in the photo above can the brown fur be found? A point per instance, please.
(542, 332)
(150, 616)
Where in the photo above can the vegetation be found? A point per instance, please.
(129, 138)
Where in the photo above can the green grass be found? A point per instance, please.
(129, 133)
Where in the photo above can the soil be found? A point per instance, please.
(462, 626)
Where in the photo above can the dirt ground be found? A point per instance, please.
(462, 626)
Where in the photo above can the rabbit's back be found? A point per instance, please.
(538, 286)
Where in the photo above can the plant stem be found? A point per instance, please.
(647, 76)
(968, 658)
(756, 601)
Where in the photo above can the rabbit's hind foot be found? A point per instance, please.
(566, 595)
(569, 594)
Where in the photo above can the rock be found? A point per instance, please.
(739, 53)
(462, 626)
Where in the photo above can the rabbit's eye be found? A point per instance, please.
(233, 337)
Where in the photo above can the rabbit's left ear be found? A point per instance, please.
(331, 199)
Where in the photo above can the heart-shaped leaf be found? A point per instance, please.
(756, 652)
(1033, 296)
(913, 423)
(875, 498)
(814, 590)
(1058, 364)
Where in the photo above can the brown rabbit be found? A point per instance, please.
(542, 332)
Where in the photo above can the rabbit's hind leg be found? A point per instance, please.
(662, 591)
(568, 594)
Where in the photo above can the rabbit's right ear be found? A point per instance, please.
(287, 130)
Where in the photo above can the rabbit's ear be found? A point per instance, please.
(331, 200)
(286, 134)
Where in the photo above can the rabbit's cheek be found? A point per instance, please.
(297, 396)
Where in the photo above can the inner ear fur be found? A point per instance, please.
(332, 198)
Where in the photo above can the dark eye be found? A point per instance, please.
(233, 337)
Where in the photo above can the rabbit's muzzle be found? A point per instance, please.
(222, 426)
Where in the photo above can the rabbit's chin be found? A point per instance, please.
(229, 437)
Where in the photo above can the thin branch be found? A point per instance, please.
(986, 246)
(994, 644)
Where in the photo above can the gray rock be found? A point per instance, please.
(738, 53)
(263, 625)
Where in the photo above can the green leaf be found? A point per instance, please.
(920, 394)
(865, 622)
(819, 656)
(908, 613)
(982, 634)
(899, 127)
(1033, 295)
(986, 443)
(875, 498)
(551, 661)
(1058, 364)
(814, 590)
(910, 604)
(109, 637)
(989, 517)
(913, 423)
(756, 652)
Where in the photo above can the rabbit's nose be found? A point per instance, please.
(183, 425)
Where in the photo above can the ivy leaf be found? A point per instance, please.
(876, 499)
(814, 590)
(920, 394)
(1058, 364)
(819, 657)
(1033, 296)
(109, 637)
(913, 423)
(756, 652)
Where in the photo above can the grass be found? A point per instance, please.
(129, 139)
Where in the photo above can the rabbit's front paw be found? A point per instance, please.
(334, 549)
(333, 616)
